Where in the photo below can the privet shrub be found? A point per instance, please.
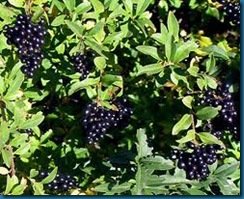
(119, 97)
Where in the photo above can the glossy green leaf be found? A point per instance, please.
(34, 121)
(4, 171)
(38, 188)
(142, 5)
(70, 4)
(7, 157)
(11, 182)
(150, 69)
(227, 169)
(50, 177)
(58, 20)
(187, 101)
(207, 113)
(157, 163)
(33, 173)
(100, 63)
(183, 124)
(23, 149)
(77, 29)
(142, 146)
(83, 8)
(83, 84)
(149, 50)
(173, 25)
(190, 135)
(97, 5)
(209, 138)
(4, 132)
(15, 86)
(183, 51)
(18, 190)
(17, 3)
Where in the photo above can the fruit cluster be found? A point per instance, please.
(195, 163)
(232, 10)
(61, 183)
(98, 120)
(28, 38)
(228, 114)
(83, 63)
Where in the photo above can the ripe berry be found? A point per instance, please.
(28, 38)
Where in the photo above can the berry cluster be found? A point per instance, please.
(221, 96)
(98, 120)
(28, 38)
(196, 163)
(232, 10)
(83, 63)
(61, 183)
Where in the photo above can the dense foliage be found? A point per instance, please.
(119, 97)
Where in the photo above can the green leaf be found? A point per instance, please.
(142, 147)
(116, 188)
(227, 169)
(211, 82)
(33, 173)
(149, 50)
(190, 135)
(18, 190)
(18, 116)
(187, 101)
(23, 149)
(14, 86)
(194, 191)
(95, 46)
(78, 30)
(4, 132)
(58, 20)
(173, 25)
(100, 63)
(83, 84)
(7, 157)
(70, 4)
(6, 12)
(96, 29)
(51, 176)
(34, 121)
(150, 69)
(98, 6)
(217, 51)
(3, 171)
(183, 51)
(193, 71)
(11, 182)
(83, 8)
(17, 3)
(142, 5)
(128, 6)
(170, 48)
(110, 79)
(157, 163)
(38, 188)
(211, 64)
(183, 124)
(209, 138)
(2, 85)
(207, 113)
(227, 187)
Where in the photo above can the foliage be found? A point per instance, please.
(143, 51)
